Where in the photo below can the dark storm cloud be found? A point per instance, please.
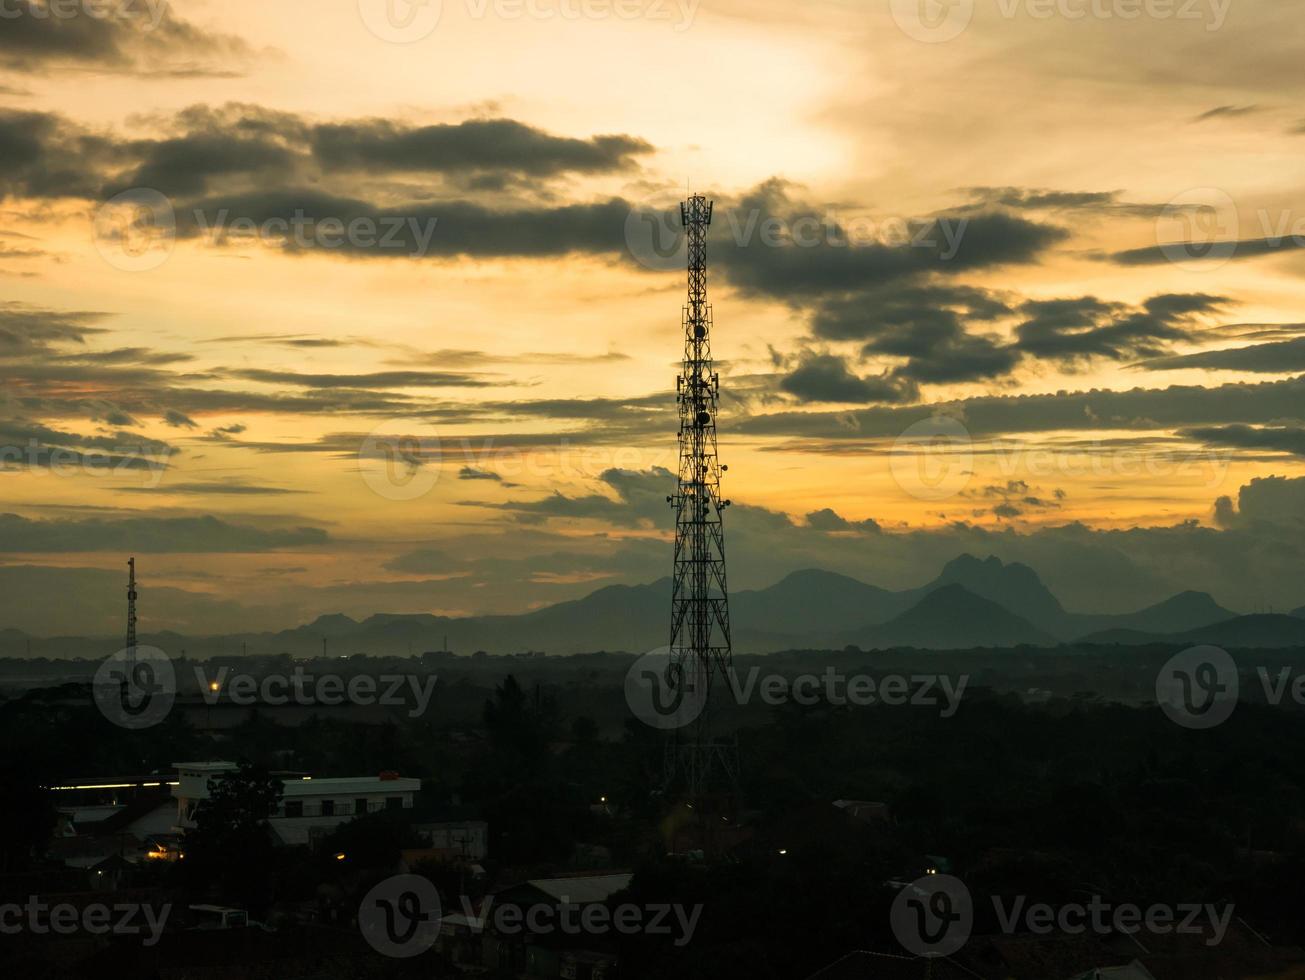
(826, 378)
(375, 380)
(431, 229)
(229, 488)
(1246, 248)
(18, 433)
(124, 355)
(961, 357)
(27, 329)
(46, 156)
(926, 311)
(191, 164)
(1282, 438)
(1013, 499)
(472, 473)
(144, 38)
(1226, 112)
(239, 150)
(25, 444)
(1034, 199)
(1086, 327)
(1140, 409)
(1283, 357)
(1270, 502)
(638, 499)
(890, 295)
(463, 357)
(926, 324)
(827, 519)
(835, 261)
(929, 326)
(150, 535)
(475, 144)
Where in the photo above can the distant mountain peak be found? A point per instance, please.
(1010, 584)
(333, 624)
(953, 617)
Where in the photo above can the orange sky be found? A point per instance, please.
(1062, 149)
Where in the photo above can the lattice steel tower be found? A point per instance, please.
(131, 611)
(700, 619)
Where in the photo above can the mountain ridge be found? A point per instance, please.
(808, 608)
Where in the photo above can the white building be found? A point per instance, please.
(308, 806)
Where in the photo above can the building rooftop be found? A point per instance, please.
(582, 890)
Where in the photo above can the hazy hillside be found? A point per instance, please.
(1263, 630)
(953, 618)
(972, 603)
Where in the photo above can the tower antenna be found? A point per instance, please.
(700, 622)
(131, 611)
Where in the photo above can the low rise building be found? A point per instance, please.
(308, 806)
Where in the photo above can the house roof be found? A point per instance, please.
(1133, 971)
(863, 965)
(582, 890)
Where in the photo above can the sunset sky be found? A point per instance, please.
(999, 277)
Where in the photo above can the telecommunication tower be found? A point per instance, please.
(131, 611)
(700, 620)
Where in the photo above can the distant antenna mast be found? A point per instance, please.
(131, 611)
(700, 621)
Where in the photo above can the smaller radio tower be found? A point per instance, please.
(131, 611)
